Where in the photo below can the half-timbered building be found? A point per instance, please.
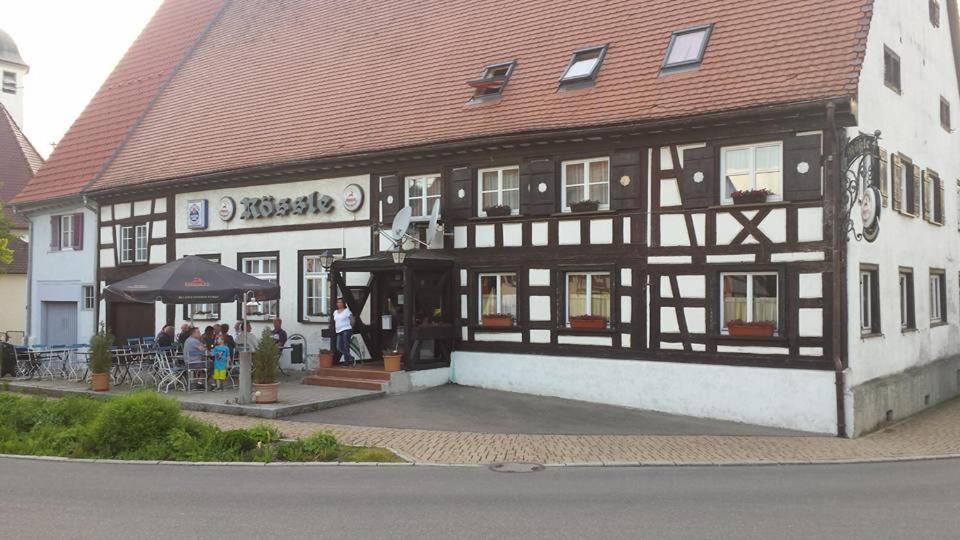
(643, 203)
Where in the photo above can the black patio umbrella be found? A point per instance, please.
(193, 280)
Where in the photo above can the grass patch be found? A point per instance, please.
(148, 426)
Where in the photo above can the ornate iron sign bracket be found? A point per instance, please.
(861, 170)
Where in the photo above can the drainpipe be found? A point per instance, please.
(30, 246)
(93, 207)
(834, 189)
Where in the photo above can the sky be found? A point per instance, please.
(71, 47)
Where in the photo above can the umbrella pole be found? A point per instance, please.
(246, 359)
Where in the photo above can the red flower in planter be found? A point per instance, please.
(588, 322)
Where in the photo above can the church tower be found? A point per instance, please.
(13, 70)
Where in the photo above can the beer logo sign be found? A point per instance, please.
(197, 214)
(228, 209)
(353, 197)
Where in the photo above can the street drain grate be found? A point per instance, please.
(516, 467)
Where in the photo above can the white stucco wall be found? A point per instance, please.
(58, 276)
(910, 124)
(767, 397)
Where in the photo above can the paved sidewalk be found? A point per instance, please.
(935, 432)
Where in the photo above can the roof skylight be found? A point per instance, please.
(687, 47)
(584, 64)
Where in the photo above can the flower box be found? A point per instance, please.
(751, 329)
(497, 320)
(588, 322)
(750, 196)
(498, 211)
(585, 206)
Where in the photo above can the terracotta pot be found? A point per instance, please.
(392, 362)
(326, 359)
(750, 330)
(588, 324)
(585, 206)
(265, 393)
(497, 322)
(100, 382)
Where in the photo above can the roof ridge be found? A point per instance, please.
(163, 86)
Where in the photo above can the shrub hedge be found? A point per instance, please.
(148, 426)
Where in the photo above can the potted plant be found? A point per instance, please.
(588, 322)
(497, 320)
(742, 328)
(326, 359)
(265, 367)
(498, 210)
(750, 196)
(101, 360)
(392, 360)
(588, 205)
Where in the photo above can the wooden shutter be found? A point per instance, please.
(699, 178)
(391, 197)
(627, 178)
(884, 175)
(897, 174)
(802, 186)
(538, 186)
(927, 215)
(917, 188)
(55, 233)
(938, 200)
(78, 231)
(460, 203)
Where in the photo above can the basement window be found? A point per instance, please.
(584, 65)
(686, 48)
(493, 79)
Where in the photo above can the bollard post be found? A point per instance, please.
(246, 385)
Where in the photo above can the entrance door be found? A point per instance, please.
(130, 320)
(59, 323)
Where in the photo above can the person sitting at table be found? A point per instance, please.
(209, 338)
(185, 330)
(195, 351)
(166, 336)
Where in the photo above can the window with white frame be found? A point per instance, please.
(498, 295)
(907, 319)
(938, 299)
(89, 298)
(750, 297)
(752, 167)
(204, 312)
(869, 300)
(421, 193)
(126, 244)
(265, 268)
(315, 288)
(499, 187)
(589, 295)
(586, 180)
(141, 243)
(67, 225)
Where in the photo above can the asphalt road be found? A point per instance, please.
(87, 500)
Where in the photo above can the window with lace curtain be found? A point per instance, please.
(749, 297)
(587, 179)
(498, 294)
(588, 294)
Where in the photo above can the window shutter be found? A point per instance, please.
(797, 185)
(627, 178)
(459, 204)
(884, 176)
(897, 174)
(55, 233)
(699, 177)
(538, 185)
(938, 201)
(391, 197)
(78, 231)
(917, 188)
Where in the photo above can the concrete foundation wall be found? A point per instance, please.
(792, 399)
(904, 394)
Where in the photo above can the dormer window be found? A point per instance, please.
(584, 65)
(493, 79)
(686, 48)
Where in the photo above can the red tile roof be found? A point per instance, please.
(134, 83)
(308, 79)
(19, 161)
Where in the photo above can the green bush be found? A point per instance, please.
(266, 360)
(101, 359)
(131, 422)
(321, 446)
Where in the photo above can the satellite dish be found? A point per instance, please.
(401, 223)
(434, 218)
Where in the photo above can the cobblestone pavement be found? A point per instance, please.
(935, 432)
